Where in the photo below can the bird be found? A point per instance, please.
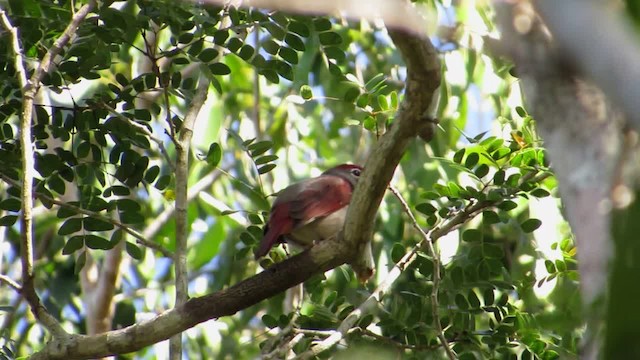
(313, 210)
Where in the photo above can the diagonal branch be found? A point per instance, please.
(274, 280)
(7, 280)
(423, 79)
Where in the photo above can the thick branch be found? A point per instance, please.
(322, 257)
(423, 78)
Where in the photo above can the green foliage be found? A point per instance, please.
(291, 95)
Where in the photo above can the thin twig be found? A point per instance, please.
(428, 242)
(140, 239)
(396, 343)
(7, 280)
(183, 145)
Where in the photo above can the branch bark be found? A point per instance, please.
(322, 257)
(29, 90)
(183, 146)
(412, 119)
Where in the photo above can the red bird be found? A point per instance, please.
(313, 210)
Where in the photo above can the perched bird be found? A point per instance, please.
(314, 210)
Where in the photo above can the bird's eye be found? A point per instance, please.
(355, 172)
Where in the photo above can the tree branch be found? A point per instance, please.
(29, 91)
(7, 280)
(183, 146)
(423, 79)
(295, 270)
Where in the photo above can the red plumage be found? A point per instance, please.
(310, 210)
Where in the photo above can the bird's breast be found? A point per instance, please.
(319, 229)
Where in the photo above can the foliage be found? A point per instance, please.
(291, 95)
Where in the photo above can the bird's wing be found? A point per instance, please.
(320, 197)
(301, 203)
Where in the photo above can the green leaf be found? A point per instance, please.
(530, 225)
(259, 148)
(351, 94)
(473, 300)
(151, 174)
(11, 204)
(97, 242)
(490, 217)
(461, 302)
(219, 69)
(488, 297)
(540, 193)
(93, 224)
(214, 155)
(131, 217)
(265, 159)
(383, 102)
(73, 244)
(299, 28)
(288, 54)
(493, 251)
(472, 160)
(70, 226)
(507, 205)
(482, 170)
(457, 157)
(294, 41)
(266, 168)
(334, 52)
(133, 250)
(426, 208)
(457, 276)
(551, 268)
(330, 38)
(363, 100)
(498, 178)
(163, 182)
(246, 52)
(322, 24)
(397, 252)
(472, 235)
(116, 237)
(8, 220)
(80, 262)
(208, 55)
(269, 321)
(128, 205)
